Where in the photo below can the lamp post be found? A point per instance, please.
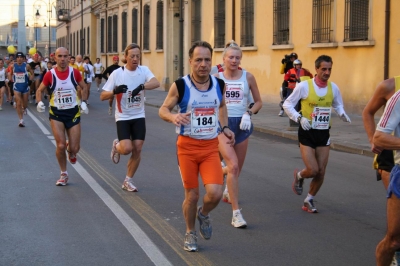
(36, 26)
(37, 6)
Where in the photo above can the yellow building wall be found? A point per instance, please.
(356, 70)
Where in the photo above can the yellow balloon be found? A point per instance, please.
(32, 51)
(11, 49)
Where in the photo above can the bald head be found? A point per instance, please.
(62, 58)
(78, 58)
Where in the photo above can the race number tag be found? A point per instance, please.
(234, 93)
(204, 121)
(133, 102)
(19, 77)
(64, 99)
(321, 117)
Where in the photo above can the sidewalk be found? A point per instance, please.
(345, 137)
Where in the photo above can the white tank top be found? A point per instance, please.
(204, 108)
(236, 95)
(64, 93)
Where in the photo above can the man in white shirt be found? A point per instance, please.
(318, 96)
(127, 83)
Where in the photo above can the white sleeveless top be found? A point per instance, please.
(236, 95)
(64, 93)
(204, 108)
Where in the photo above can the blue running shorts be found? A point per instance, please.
(394, 184)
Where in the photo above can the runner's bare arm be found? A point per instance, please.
(169, 103)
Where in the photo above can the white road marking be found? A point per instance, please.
(151, 250)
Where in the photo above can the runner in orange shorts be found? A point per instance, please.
(201, 102)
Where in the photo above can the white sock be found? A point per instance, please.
(298, 175)
(127, 178)
(309, 197)
(236, 212)
(64, 172)
(226, 188)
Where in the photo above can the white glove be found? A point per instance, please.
(40, 107)
(345, 118)
(84, 108)
(305, 124)
(245, 124)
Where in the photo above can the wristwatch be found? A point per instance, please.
(299, 118)
(250, 112)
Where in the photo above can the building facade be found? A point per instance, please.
(361, 36)
(40, 25)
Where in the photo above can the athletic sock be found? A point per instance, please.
(298, 175)
(64, 172)
(236, 212)
(309, 197)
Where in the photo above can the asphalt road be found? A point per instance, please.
(92, 221)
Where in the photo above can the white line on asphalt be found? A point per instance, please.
(40, 125)
(152, 251)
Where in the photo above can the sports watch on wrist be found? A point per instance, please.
(250, 112)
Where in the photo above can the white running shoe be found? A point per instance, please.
(128, 185)
(280, 113)
(238, 221)
(63, 180)
(114, 154)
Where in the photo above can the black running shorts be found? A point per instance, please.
(314, 137)
(131, 129)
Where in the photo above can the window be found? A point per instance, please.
(247, 23)
(109, 34)
(135, 25)
(88, 41)
(219, 23)
(196, 20)
(115, 33)
(281, 22)
(356, 20)
(159, 26)
(124, 30)
(146, 27)
(102, 35)
(322, 21)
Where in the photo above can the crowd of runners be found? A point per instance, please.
(213, 122)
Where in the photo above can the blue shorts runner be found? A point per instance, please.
(394, 184)
(240, 135)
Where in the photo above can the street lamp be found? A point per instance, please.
(35, 25)
(37, 6)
